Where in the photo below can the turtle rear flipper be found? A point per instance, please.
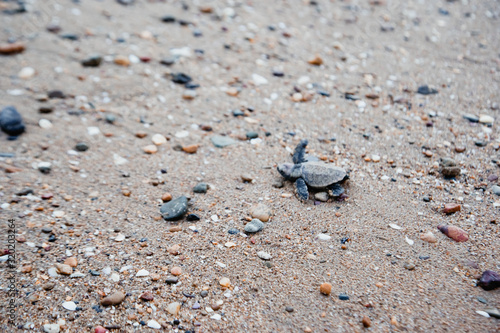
(335, 190)
(300, 152)
(301, 187)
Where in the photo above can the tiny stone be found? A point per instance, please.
(166, 197)
(225, 282)
(321, 196)
(264, 255)
(176, 271)
(450, 208)
(246, 178)
(288, 309)
(366, 322)
(174, 308)
(71, 261)
(200, 188)
(63, 269)
(172, 280)
(254, 226)
(325, 288)
(113, 299)
(147, 296)
(158, 139)
(222, 141)
(428, 237)
(150, 149)
(343, 297)
(81, 146)
(261, 212)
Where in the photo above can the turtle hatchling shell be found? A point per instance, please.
(318, 174)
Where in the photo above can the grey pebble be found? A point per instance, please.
(496, 189)
(11, 121)
(472, 118)
(174, 209)
(254, 226)
(204, 293)
(200, 188)
(252, 135)
(321, 196)
(222, 141)
(171, 280)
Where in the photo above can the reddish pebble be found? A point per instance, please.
(455, 233)
(450, 208)
(145, 59)
(47, 196)
(492, 178)
(252, 240)
(176, 271)
(12, 48)
(366, 322)
(100, 329)
(147, 296)
(489, 280)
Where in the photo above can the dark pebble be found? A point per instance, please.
(56, 94)
(142, 322)
(204, 293)
(46, 109)
(492, 178)
(92, 61)
(69, 36)
(324, 93)
(52, 238)
(97, 308)
(482, 300)
(181, 78)
(94, 273)
(288, 309)
(174, 209)
(168, 61)
(168, 19)
(238, 113)
(472, 118)
(351, 97)
(343, 297)
(201, 188)
(171, 280)
(425, 90)
(489, 280)
(176, 322)
(426, 199)
(110, 118)
(188, 295)
(125, 2)
(11, 121)
(193, 217)
(423, 257)
(481, 143)
(82, 146)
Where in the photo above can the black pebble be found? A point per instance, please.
(343, 297)
(11, 121)
(176, 322)
(425, 90)
(193, 217)
(181, 78)
(56, 94)
(233, 231)
(52, 238)
(168, 19)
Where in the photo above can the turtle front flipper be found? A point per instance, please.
(301, 187)
(335, 190)
(300, 152)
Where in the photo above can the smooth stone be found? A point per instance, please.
(92, 61)
(278, 183)
(288, 309)
(11, 121)
(113, 299)
(71, 306)
(110, 118)
(142, 273)
(154, 324)
(343, 297)
(455, 233)
(168, 61)
(321, 196)
(172, 280)
(201, 188)
(222, 141)
(254, 226)
(51, 328)
(76, 275)
(147, 296)
(450, 208)
(492, 178)
(325, 288)
(485, 119)
(193, 217)
(174, 308)
(428, 237)
(252, 135)
(174, 209)
(44, 167)
(261, 212)
(496, 189)
(159, 139)
(264, 255)
(81, 146)
(324, 237)
(489, 280)
(26, 73)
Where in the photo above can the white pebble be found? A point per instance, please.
(92, 130)
(71, 306)
(154, 324)
(158, 139)
(142, 273)
(324, 237)
(45, 123)
(26, 73)
(259, 80)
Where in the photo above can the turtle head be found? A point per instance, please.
(289, 170)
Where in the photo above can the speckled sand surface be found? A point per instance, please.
(387, 50)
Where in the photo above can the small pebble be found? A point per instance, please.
(325, 288)
(455, 233)
(113, 299)
(200, 188)
(261, 212)
(450, 208)
(254, 226)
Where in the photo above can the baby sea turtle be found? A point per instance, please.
(317, 175)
